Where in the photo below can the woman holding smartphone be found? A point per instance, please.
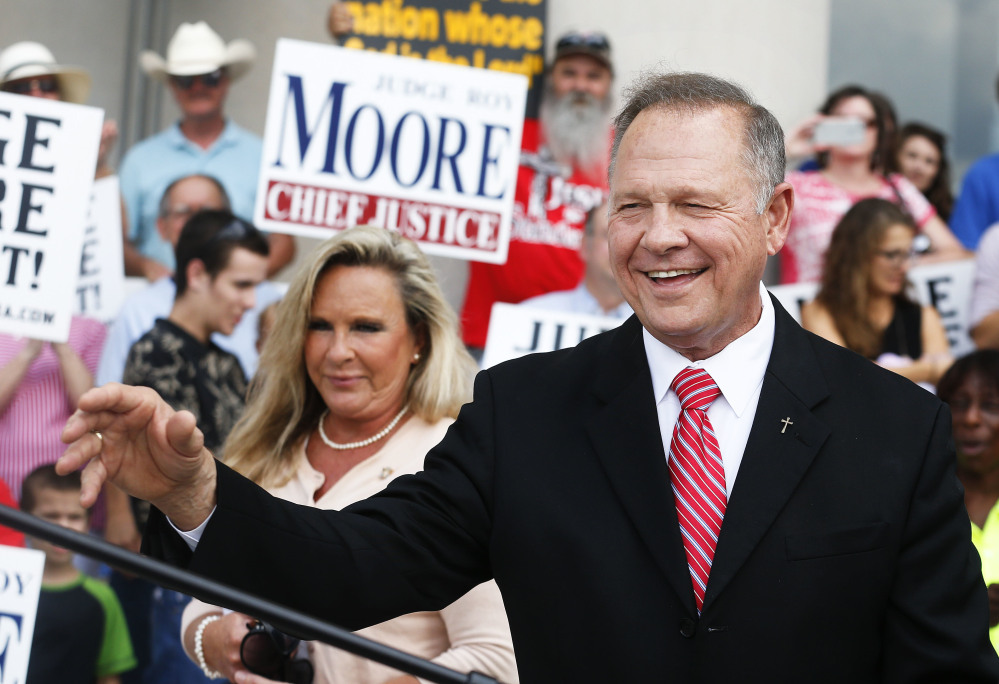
(853, 138)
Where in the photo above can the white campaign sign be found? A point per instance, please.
(427, 149)
(516, 330)
(20, 583)
(48, 152)
(100, 291)
(945, 286)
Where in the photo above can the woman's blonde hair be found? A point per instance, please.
(283, 405)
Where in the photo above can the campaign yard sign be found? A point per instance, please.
(518, 329)
(429, 150)
(48, 152)
(100, 291)
(20, 584)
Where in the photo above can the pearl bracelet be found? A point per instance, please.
(199, 650)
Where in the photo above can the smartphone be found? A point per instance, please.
(839, 131)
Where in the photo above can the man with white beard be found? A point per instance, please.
(562, 176)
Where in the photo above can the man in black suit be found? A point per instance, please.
(844, 550)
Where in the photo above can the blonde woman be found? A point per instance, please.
(361, 375)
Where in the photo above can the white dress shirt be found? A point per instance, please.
(738, 371)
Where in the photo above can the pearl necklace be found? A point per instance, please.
(364, 442)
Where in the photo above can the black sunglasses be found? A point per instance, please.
(269, 653)
(209, 80)
(25, 86)
(597, 41)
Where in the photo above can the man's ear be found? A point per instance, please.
(198, 278)
(778, 216)
(161, 228)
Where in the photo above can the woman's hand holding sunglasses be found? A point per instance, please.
(220, 642)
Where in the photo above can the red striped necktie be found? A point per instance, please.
(697, 474)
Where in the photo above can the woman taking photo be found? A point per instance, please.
(862, 303)
(921, 157)
(361, 375)
(971, 388)
(849, 173)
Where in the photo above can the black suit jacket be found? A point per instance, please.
(844, 555)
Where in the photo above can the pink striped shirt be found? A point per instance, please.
(819, 204)
(32, 422)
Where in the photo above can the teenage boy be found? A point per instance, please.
(220, 262)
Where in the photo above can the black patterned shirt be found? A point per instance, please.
(190, 375)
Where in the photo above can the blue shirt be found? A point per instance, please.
(152, 164)
(977, 207)
(140, 311)
(578, 300)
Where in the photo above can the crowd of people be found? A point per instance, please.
(324, 396)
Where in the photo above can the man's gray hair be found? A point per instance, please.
(682, 92)
(165, 197)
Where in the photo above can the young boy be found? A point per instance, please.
(80, 633)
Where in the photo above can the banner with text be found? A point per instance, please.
(20, 584)
(516, 330)
(508, 35)
(48, 152)
(946, 287)
(428, 150)
(100, 291)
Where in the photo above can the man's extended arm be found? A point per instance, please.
(144, 447)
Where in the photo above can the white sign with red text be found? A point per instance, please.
(48, 152)
(427, 149)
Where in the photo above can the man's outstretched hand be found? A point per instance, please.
(131, 437)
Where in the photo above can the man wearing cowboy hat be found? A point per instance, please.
(198, 69)
(30, 68)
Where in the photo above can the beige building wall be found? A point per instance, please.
(776, 48)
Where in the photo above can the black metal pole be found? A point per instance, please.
(216, 593)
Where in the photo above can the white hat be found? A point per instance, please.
(196, 49)
(29, 59)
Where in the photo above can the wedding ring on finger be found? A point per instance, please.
(97, 433)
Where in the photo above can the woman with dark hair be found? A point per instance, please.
(862, 304)
(847, 174)
(921, 157)
(971, 388)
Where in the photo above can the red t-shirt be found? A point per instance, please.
(8, 536)
(547, 230)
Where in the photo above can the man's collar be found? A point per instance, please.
(738, 369)
(228, 136)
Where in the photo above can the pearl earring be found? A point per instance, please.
(416, 357)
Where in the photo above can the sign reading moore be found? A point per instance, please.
(426, 149)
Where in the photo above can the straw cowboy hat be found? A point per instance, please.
(196, 49)
(28, 59)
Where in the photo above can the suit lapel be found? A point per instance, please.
(625, 434)
(774, 461)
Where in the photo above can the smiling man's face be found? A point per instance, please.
(687, 246)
